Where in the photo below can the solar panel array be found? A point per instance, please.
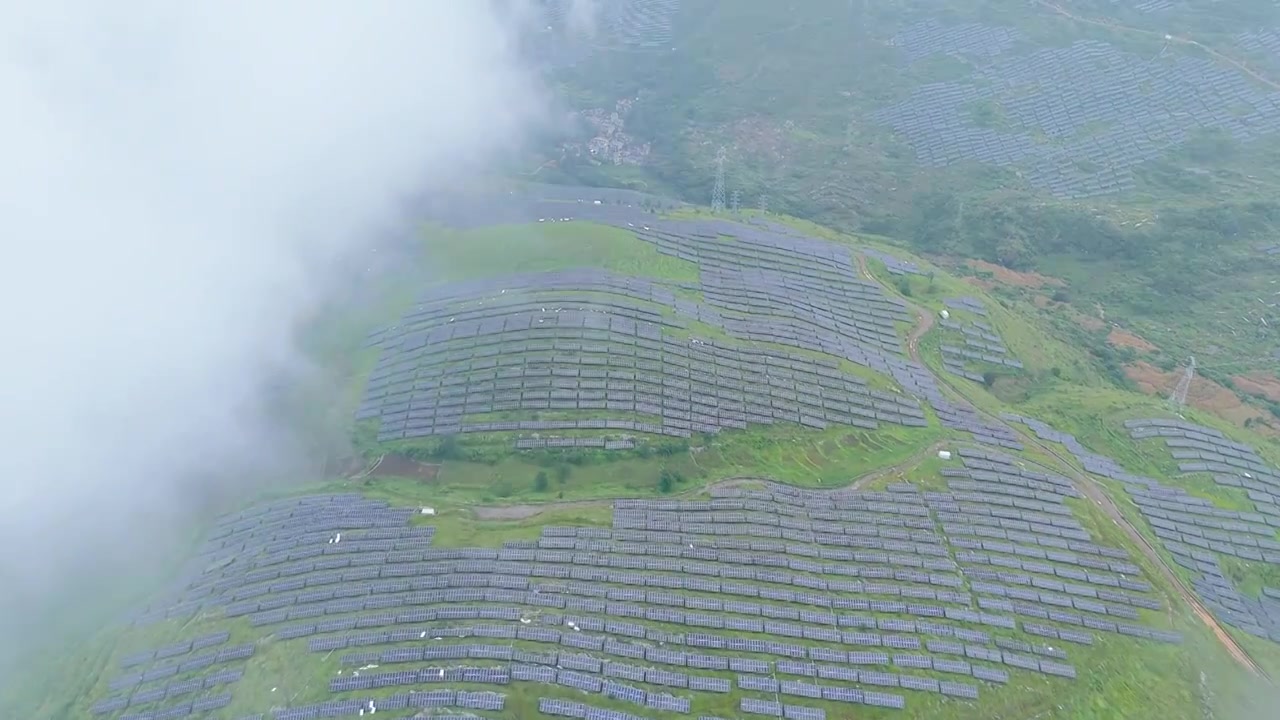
(1075, 120)
(475, 356)
(642, 24)
(895, 265)
(183, 678)
(1265, 42)
(797, 601)
(1020, 545)
(1195, 531)
(931, 37)
(979, 344)
(1198, 532)
(435, 374)
(634, 25)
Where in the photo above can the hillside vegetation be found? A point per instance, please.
(1178, 256)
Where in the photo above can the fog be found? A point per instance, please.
(178, 183)
(582, 16)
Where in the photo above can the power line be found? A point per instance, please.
(717, 191)
(1179, 396)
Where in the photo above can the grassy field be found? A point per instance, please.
(514, 249)
(789, 453)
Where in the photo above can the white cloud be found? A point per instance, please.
(175, 181)
(583, 16)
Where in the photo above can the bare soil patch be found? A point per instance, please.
(1119, 337)
(402, 466)
(1204, 394)
(1260, 384)
(1042, 301)
(1088, 322)
(1005, 276)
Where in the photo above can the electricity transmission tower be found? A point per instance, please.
(764, 203)
(735, 201)
(1179, 396)
(717, 191)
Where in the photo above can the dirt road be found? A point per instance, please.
(901, 467)
(1086, 485)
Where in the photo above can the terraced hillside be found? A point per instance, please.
(770, 601)
(1123, 152)
(628, 463)
(1199, 534)
(777, 327)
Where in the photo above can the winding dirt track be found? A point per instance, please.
(1086, 485)
(901, 467)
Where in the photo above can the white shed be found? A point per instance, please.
(944, 454)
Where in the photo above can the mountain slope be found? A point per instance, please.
(487, 493)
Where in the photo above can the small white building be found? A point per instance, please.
(428, 511)
(944, 454)
(944, 314)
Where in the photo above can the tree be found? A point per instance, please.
(562, 473)
(540, 481)
(448, 448)
(668, 479)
